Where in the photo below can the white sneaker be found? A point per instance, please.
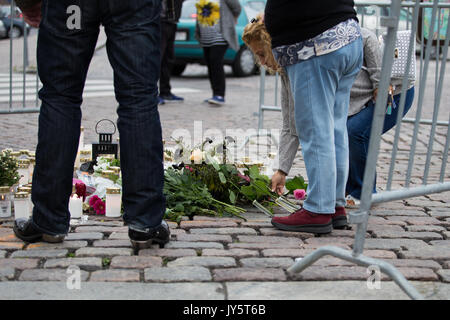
(351, 202)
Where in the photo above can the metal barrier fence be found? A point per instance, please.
(360, 218)
(19, 90)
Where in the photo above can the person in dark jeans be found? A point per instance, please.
(64, 52)
(170, 14)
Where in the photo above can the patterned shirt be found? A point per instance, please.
(210, 34)
(326, 42)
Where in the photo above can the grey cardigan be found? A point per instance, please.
(229, 12)
(362, 91)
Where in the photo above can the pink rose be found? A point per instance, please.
(246, 178)
(93, 200)
(299, 194)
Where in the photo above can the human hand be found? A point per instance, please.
(375, 92)
(278, 182)
(32, 15)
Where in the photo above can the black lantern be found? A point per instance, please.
(105, 145)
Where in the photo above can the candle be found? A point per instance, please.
(5, 202)
(75, 205)
(21, 205)
(197, 156)
(81, 142)
(113, 202)
(24, 171)
(31, 167)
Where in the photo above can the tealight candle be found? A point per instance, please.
(21, 205)
(5, 202)
(75, 205)
(113, 202)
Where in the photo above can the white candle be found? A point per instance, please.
(24, 174)
(21, 205)
(81, 142)
(113, 202)
(5, 202)
(75, 207)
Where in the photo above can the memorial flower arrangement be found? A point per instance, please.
(9, 174)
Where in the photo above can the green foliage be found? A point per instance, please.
(298, 182)
(106, 262)
(9, 174)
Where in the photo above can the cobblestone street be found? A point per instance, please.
(228, 258)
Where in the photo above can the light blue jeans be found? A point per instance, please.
(321, 89)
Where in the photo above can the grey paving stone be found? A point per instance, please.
(249, 274)
(119, 236)
(416, 220)
(411, 213)
(169, 253)
(267, 262)
(447, 264)
(334, 273)
(2, 254)
(175, 274)
(261, 246)
(207, 224)
(19, 263)
(393, 244)
(14, 290)
(230, 253)
(115, 276)
(112, 243)
(63, 245)
(429, 253)
(49, 275)
(286, 252)
(420, 274)
(103, 252)
(323, 241)
(204, 237)
(89, 264)
(84, 236)
(281, 233)
(429, 228)
(44, 253)
(135, 262)
(266, 239)
(223, 231)
(102, 229)
(194, 245)
(440, 243)
(11, 245)
(444, 274)
(203, 261)
(427, 236)
(7, 274)
(415, 263)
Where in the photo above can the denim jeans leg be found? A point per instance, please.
(133, 31)
(359, 127)
(63, 57)
(320, 98)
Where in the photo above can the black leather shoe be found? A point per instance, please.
(141, 239)
(25, 231)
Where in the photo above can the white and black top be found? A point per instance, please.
(210, 34)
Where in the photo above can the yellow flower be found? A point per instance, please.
(208, 13)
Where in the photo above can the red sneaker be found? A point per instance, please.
(304, 221)
(339, 218)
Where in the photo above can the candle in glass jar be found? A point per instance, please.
(113, 202)
(75, 205)
(5, 202)
(21, 205)
(24, 171)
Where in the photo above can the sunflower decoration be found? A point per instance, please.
(208, 13)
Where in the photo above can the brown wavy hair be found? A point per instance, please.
(256, 31)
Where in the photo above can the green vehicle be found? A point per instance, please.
(188, 49)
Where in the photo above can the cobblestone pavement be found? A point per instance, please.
(227, 258)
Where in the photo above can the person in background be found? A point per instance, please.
(319, 45)
(170, 14)
(215, 30)
(362, 105)
(64, 52)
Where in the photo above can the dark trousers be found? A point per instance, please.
(359, 127)
(214, 60)
(63, 55)
(168, 31)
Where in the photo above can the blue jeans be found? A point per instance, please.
(321, 89)
(63, 55)
(359, 127)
